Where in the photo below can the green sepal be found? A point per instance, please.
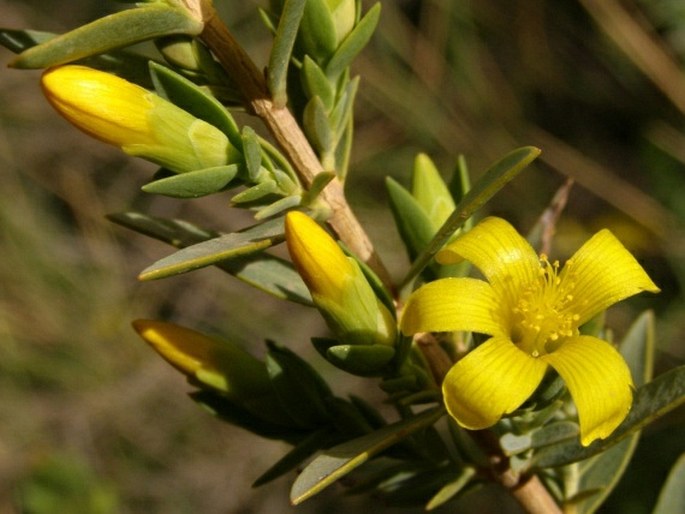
(672, 498)
(231, 412)
(315, 83)
(301, 390)
(494, 179)
(302, 451)
(317, 126)
(361, 360)
(340, 460)
(413, 224)
(228, 246)
(266, 272)
(190, 97)
(354, 42)
(651, 401)
(194, 184)
(281, 51)
(600, 474)
(117, 30)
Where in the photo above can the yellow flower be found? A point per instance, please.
(532, 310)
(142, 123)
(337, 284)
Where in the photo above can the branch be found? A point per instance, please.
(287, 133)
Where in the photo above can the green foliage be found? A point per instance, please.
(409, 460)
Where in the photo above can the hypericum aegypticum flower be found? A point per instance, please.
(142, 123)
(337, 284)
(532, 310)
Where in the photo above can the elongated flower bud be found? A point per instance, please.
(215, 364)
(337, 284)
(142, 123)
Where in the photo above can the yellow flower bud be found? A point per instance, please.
(338, 286)
(142, 123)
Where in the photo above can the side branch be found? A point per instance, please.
(288, 135)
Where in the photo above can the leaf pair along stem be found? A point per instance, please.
(528, 491)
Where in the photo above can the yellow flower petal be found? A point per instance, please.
(452, 304)
(495, 247)
(492, 380)
(103, 105)
(599, 382)
(601, 273)
(319, 260)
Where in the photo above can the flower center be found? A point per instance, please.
(543, 315)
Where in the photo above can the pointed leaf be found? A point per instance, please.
(114, 31)
(284, 41)
(338, 461)
(301, 390)
(317, 125)
(194, 184)
(316, 83)
(452, 489)
(672, 495)
(228, 246)
(269, 273)
(651, 401)
(223, 408)
(412, 221)
(252, 152)
(302, 451)
(499, 174)
(20, 40)
(354, 42)
(189, 96)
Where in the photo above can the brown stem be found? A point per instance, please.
(289, 136)
(526, 489)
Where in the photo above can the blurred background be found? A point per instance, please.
(92, 421)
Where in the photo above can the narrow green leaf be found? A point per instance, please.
(255, 193)
(300, 389)
(317, 125)
(316, 83)
(342, 112)
(602, 472)
(252, 152)
(450, 490)
(499, 174)
(338, 461)
(302, 451)
(317, 36)
(20, 40)
(413, 224)
(672, 495)
(189, 96)
(651, 401)
(554, 433)
(269, 273)
(194, 184)
(461, 180)
(237, 244)
(231, 412)
(354, 42)
(282, 49)
(117, 30)
(361, 360)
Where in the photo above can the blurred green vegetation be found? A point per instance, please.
(87, 412)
